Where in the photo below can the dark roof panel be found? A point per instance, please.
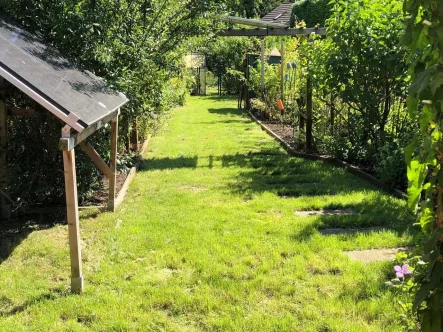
(281, 14)
(41, 71)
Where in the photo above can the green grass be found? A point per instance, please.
(207, 240)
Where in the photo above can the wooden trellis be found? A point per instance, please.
(79, 99)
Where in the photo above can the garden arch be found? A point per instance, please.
(79, 99)
(268, 26)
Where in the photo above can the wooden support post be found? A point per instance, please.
(309, 139)
(73, 217)
(262, 86)
(134, 136)
(4, 201)
(332, 115)
(113, 164)
(282, 71)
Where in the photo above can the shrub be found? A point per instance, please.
(312, 12)
(135, 45)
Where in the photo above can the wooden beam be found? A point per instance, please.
(282, 72)
(271, 32)
(68, 143)
(96, 159)
(22, 112)
(73, 218)
(4, 199)
(113, 164)
(251, 22)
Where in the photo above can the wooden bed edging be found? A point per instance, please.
(122, 194)
(331, 160)
(119, 199)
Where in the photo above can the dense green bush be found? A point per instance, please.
(136, 45)
(225, 56)
(312, 12)
(360, 71)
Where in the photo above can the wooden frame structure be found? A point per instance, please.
(264, 29)
(80, 100)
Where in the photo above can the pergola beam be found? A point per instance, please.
(250, 22)
(272, 32)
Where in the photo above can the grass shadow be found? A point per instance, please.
(168, 163)
(275, 171)
(374, 214)
(225, 111)
(217, 97)
(8, 308)
(14, 231)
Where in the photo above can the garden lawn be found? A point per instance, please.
(207, 240)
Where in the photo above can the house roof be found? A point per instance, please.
(79, 98)
(281, 14)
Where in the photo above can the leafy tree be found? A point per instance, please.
(252, 8)
(312, 12)
(136, 45)
(362, 68)
(227, 54)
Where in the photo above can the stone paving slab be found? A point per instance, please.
(346, 231)
(345, 212)
(375, 255)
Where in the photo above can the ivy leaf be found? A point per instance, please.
(409, 150)
(413, 197)
(426, 117)
(416, 173)
(432, 242)
(427, 216)
(436, 82)
(427, 287)
(440, 35)
(412, 104)
(422, 82)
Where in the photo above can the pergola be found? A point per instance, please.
(79, 99)
(276, 23)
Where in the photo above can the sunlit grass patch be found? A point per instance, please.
(205, 242)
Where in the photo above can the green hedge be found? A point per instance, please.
(313, 12)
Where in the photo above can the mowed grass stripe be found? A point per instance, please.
(204, 243)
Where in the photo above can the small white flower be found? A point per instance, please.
(427, 102)
(426, 22)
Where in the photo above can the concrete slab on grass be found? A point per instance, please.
(351, 231)
(375, 255)
(345, 212)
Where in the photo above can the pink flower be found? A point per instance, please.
(402, 271)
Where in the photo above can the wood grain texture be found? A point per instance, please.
(73, 221)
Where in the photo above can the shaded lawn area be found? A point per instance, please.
(207, 239)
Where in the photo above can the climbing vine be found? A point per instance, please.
(424, 35)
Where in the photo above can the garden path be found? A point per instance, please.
(209, 238)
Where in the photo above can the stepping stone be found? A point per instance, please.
(375, 255)
(346, 231)
(346, 212)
